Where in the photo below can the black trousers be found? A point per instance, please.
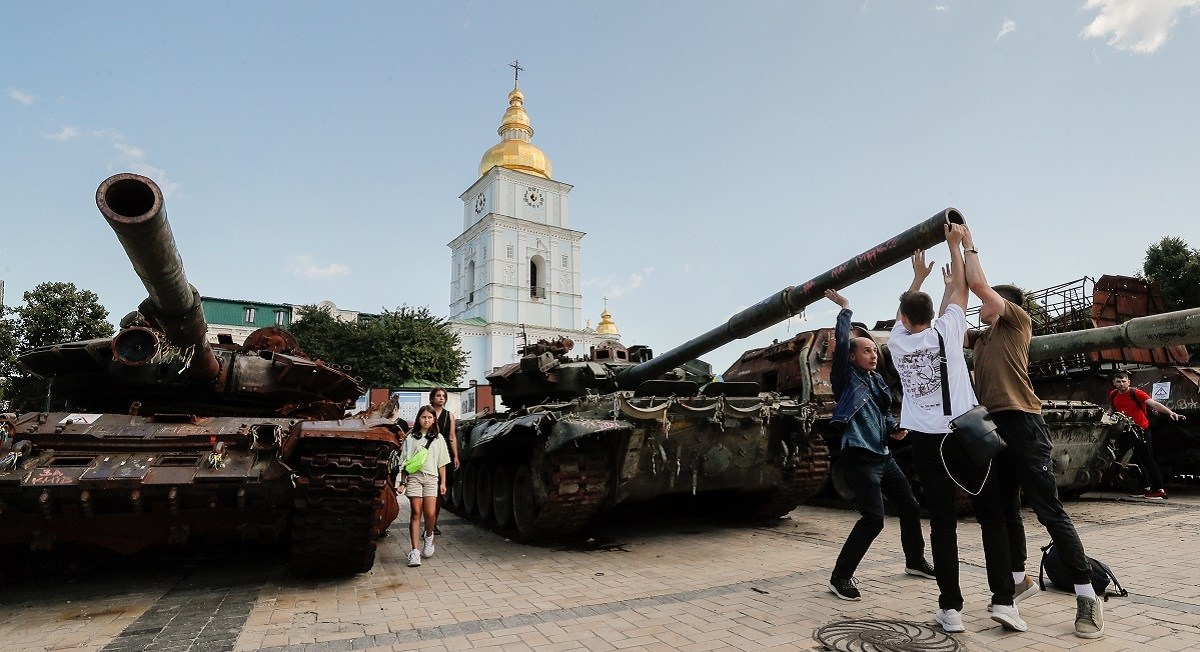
(873, 476)
(1143, 455)
(940, 497)
(1025, 466)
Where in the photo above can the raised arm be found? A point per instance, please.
(921, 271)
(841, 351)
(993, 303)
(955, 277)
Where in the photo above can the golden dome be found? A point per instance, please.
(606, 325)
(514, 151)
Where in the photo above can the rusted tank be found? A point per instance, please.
(1086, 440)
(620, 425)
(166, 439)
(1161, 370)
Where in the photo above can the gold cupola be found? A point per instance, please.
(606, 325)
(514, 151)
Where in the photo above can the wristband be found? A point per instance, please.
(972, 250)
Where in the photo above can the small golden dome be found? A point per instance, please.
(514, 151)
(606, 325)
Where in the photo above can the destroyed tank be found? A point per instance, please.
(167, 439)
(1086, 440)
(619, 425)
(1162, 371)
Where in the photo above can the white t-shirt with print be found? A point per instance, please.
(916, 358)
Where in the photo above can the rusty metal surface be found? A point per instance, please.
(174, 442)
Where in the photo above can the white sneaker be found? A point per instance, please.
(414, 558)
(427, 546)
(950, 620)
(1008, 616)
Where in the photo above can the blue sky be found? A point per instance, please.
(719, 151)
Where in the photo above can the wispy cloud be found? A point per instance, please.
(21, 97)
(64, 134)
(1140, 26)
(133, 159)
(613, 286)
(1008, 26)
(941, 8)
(306, 266)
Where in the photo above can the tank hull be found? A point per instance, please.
(595, 453)
(128, 483)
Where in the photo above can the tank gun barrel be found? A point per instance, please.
(133, 206)
(1154, 331)
(791, 300)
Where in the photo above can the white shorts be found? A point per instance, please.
(421, 485)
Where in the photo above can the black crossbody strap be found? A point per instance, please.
(945, 373)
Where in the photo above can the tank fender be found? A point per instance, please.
(568, 430)
(380, 430)
(534, 423)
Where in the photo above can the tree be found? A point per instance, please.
(8, 355)
(1176, 267)
(54, 312)
(386, 351)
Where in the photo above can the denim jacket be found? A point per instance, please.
(864, 400)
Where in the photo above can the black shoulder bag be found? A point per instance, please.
(973, 430)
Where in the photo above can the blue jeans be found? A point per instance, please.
(873, 476)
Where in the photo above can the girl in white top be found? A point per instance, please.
(425, 484)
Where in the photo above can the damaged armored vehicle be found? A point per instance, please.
(620, 425)
(165, 438)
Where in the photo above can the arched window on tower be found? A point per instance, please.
(470, 282)
(537, 277)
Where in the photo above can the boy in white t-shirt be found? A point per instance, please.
(915, 350)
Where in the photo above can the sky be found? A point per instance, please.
(719, 151)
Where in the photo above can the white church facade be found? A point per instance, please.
(515, 270)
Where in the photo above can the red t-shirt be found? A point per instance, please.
(1136, 410)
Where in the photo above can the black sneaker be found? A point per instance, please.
(844, 588)
(922, 569)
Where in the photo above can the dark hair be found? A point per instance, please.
(917, 307)
(433, 392)
(417, 421)
(1010, 293)
(1120, 374)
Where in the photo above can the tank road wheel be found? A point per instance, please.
(483, 492)
(467, 473)
(502, 493)
(524, 502)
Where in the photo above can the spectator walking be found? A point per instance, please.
(1132, 402)
(423, 484)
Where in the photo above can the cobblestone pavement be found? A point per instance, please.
(678, 582)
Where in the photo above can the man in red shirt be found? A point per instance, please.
(1132, 403)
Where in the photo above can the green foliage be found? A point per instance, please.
(388, 351)
(54, 312)
(1176, 267)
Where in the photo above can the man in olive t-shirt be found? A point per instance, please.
(1001, 357)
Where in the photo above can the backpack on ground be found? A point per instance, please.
(1054, 568)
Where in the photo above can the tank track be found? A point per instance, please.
(336, 503)
(574, 482)
(808, 477)
(579, 484)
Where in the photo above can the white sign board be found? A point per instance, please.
(1161, 391)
